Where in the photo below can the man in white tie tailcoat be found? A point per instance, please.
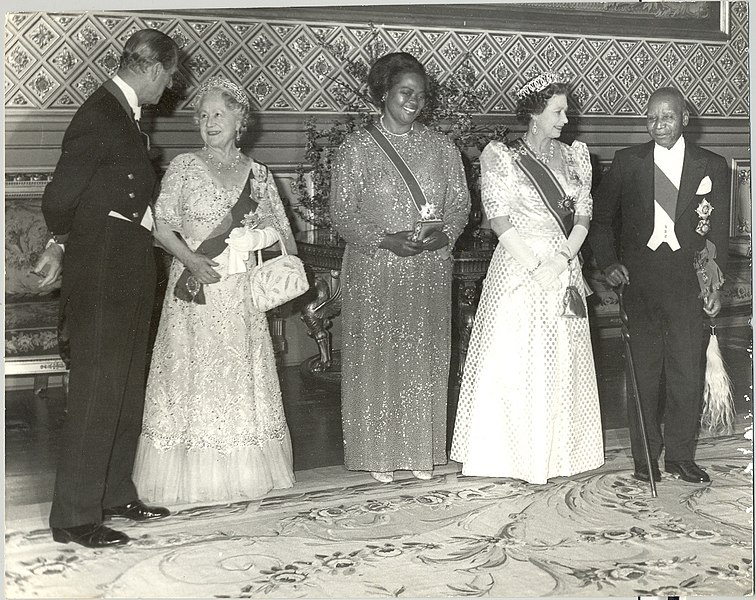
(671, 196)
(97, 208)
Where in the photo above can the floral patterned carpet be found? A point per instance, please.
(339, 534)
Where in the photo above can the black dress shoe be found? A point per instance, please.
(94, 535)
(136, 511)
(687, 471)
(641, 471)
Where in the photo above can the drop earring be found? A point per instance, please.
(534, 129)
(238, 135)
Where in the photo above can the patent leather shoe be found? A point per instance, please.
(641, 471)
(93, 535)
(687, 471)
(136, 511)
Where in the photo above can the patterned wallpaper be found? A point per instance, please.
(55, 60)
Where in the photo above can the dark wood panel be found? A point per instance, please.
(32, 140)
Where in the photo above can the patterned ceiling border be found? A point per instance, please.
(55, 60)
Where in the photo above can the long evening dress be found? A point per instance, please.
(214, 428)
(528, 406)
(396, 315)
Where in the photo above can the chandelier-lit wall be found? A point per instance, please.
(54, 61)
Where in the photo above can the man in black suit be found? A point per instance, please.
(97, 207)
(663, 190)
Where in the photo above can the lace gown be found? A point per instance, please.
(528, 406)
(214, 426)
(396, 314)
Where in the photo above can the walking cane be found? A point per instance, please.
(634, 382)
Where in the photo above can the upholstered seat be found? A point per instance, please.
(31, 313)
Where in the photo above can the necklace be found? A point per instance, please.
(383, 126)
(219, 165)
(544, 157)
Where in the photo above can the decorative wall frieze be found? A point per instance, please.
(53, 61)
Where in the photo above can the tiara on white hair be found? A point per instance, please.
(216, 81)
(539, 83)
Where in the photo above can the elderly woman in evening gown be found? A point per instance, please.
(214, 428)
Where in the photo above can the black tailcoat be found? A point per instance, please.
(106, 301)
(664, 309)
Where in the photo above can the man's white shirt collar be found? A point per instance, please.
(131, 96)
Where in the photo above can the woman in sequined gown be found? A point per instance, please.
(214, 427)
(396, 292)
(528, 406)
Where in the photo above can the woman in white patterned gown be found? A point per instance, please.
(214, 428)
(528, 406)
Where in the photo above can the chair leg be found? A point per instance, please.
(40, 384)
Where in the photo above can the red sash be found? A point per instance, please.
(560, 205)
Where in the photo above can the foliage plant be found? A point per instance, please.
(449, 109)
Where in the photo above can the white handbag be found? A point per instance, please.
(277, 280)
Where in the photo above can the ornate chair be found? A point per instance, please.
(31, 313)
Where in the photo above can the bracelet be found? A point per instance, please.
(567, 256)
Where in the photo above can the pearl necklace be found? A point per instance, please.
(544, 157)
(383, 126)
(219, 165)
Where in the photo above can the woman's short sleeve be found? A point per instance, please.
(496, 181)
(582, 163)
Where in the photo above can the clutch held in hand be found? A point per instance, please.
(425, 227)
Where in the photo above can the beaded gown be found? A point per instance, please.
(396, 314)
(213, 426)
(528, 405)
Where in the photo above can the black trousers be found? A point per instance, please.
(107, 309)
(665, 319)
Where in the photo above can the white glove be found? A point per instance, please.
(241, 241)
(575, 241)
(516, 246)
(548, 272)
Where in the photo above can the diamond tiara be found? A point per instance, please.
(221, 82)
(539, 83)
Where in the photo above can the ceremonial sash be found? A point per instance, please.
(665, 192)
(560, 205)
(415, 191)
(188, 287)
